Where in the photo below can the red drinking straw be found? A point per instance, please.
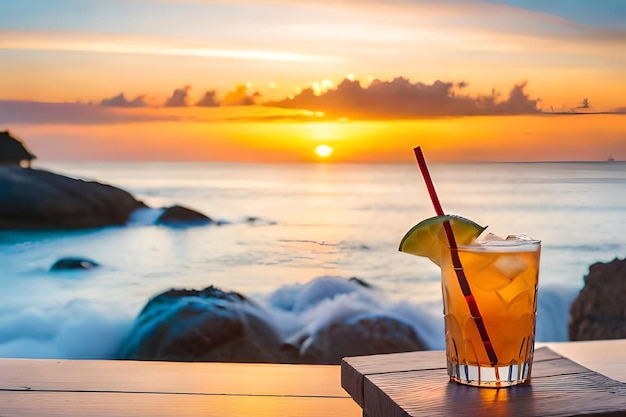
(456, 261)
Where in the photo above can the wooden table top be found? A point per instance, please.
(66, 388)
(416, 384)
(47, 387)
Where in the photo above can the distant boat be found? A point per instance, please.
(610, 159)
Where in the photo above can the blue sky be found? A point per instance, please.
(603, 13)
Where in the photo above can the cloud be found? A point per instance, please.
(240, 97)
(518, 102)
(178, 97)
(32, 112)
(121, 101)
(397, 99)
(400, 99)
(209, 100)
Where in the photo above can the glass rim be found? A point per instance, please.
(503, 246)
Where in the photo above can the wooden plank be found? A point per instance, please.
(415, 361)
(397, 362)
(171, 377)
(607, 357)
(352, 382)
(83, 404)
(559, 387)
(427, 394)
(354, 369)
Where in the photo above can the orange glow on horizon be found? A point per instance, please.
(256, 134)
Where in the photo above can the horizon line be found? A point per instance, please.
(325, 162)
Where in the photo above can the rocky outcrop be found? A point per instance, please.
(213, 325)
(73, 264)
(599, 311)
(207, 325)
(356, 336)
(39, 199)
(182, 216)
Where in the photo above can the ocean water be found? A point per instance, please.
(309, 221)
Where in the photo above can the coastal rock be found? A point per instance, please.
(208, 325)
(39, 199)
(357, 336)
(329, 318)
(182, 216)
(599, 311)
(341, 317)
(73, 263)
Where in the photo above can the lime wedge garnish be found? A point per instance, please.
(428, 237)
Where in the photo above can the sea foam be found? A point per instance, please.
(79, 330)
(75, 330)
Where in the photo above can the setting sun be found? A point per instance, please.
(323, 151)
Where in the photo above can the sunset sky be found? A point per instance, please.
(270, 80)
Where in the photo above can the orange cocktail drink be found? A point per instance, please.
(489, 294)
(503, 276)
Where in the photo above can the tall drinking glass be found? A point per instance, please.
(503, 277)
